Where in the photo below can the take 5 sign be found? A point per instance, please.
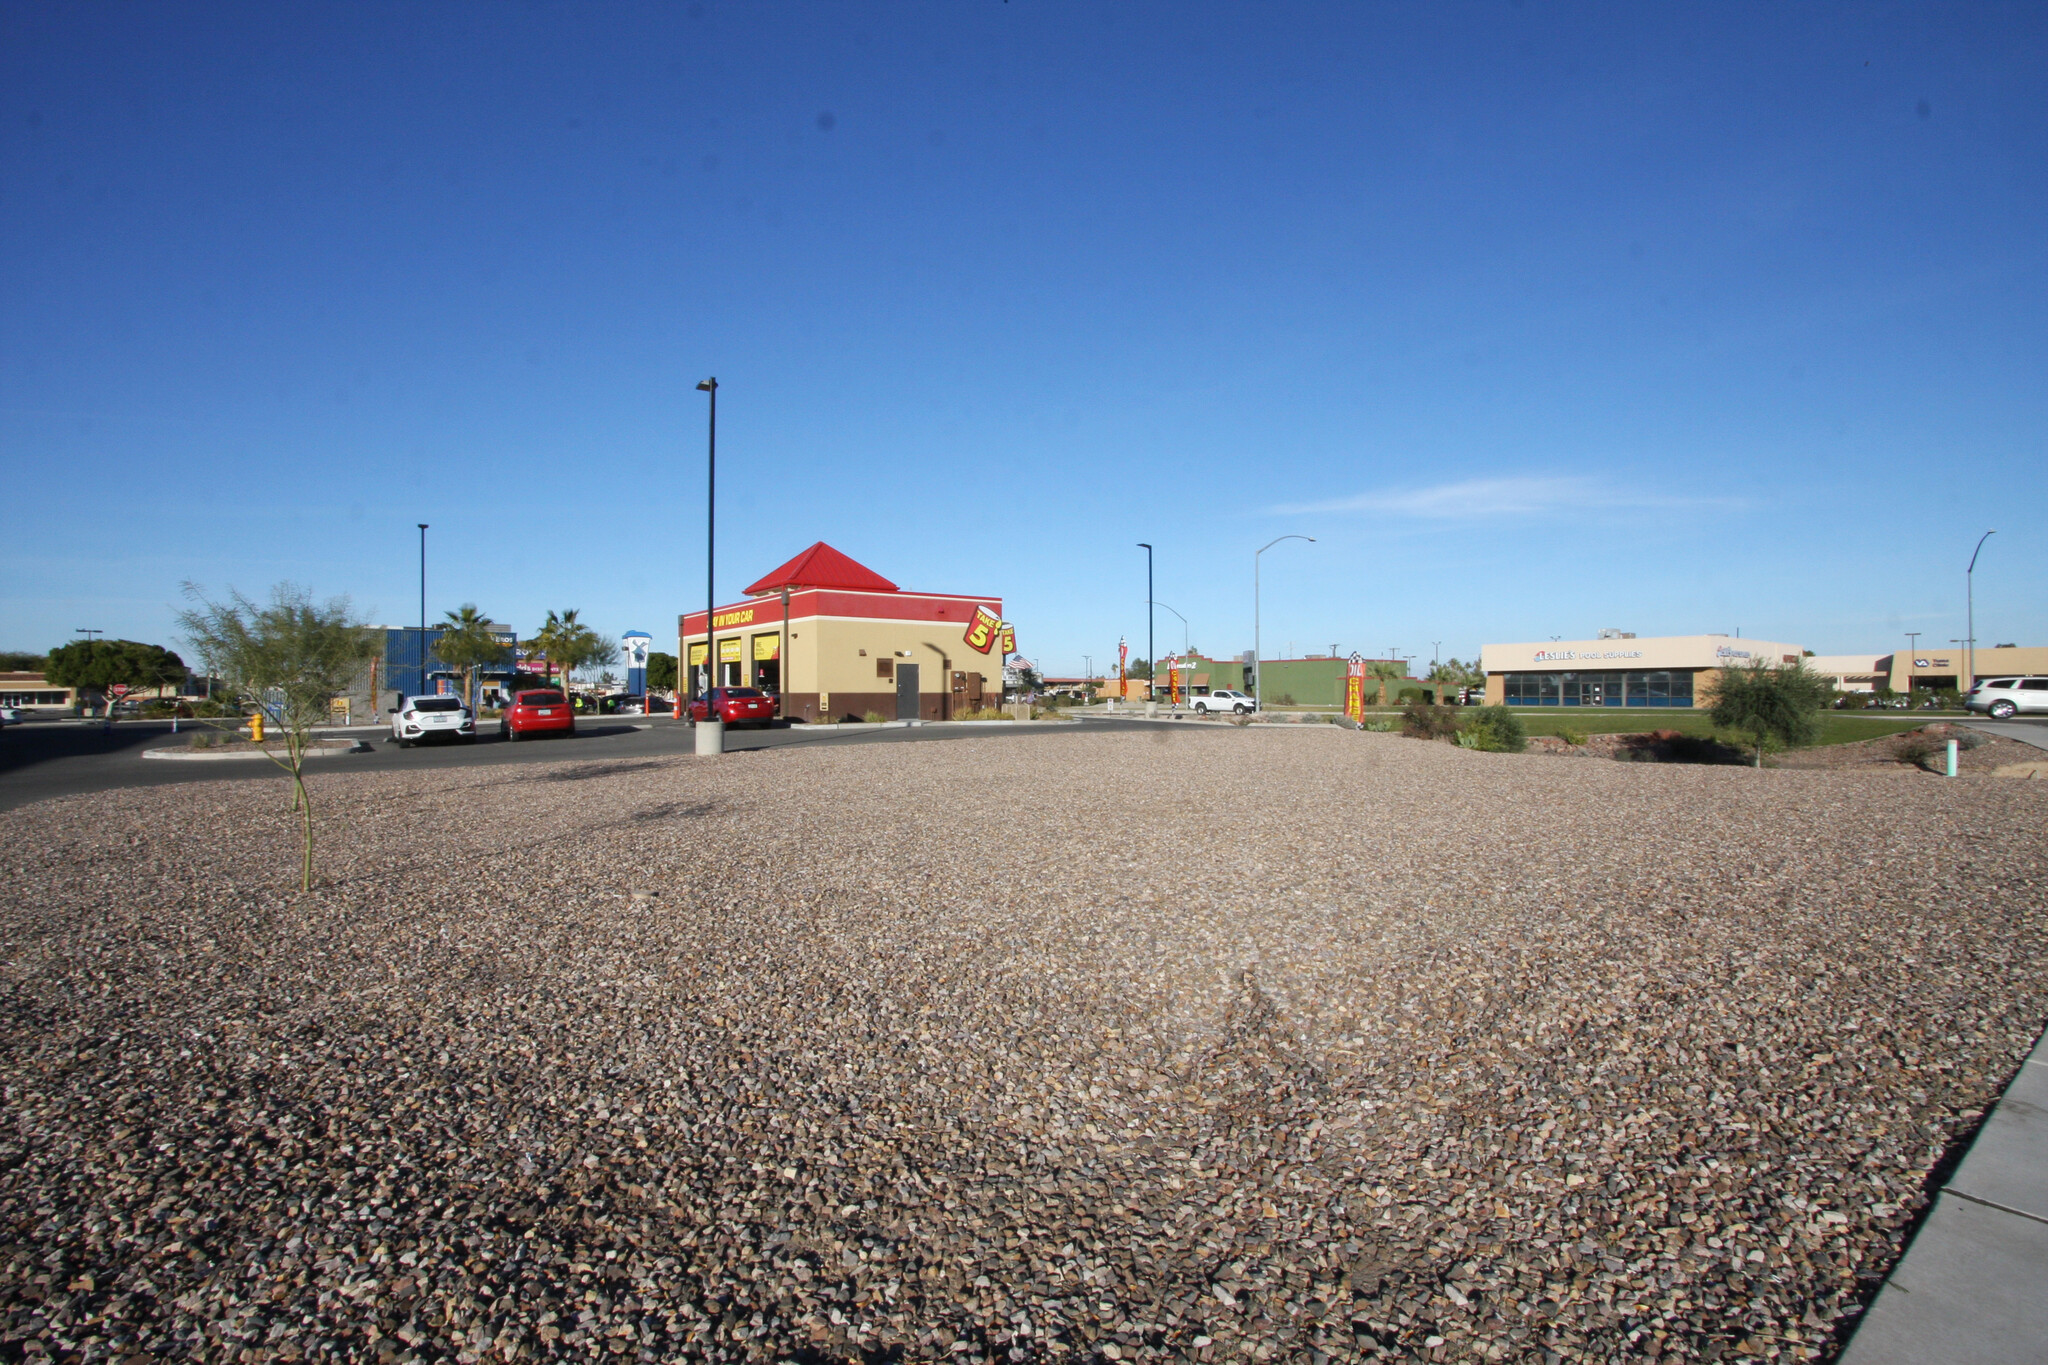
(987, 630)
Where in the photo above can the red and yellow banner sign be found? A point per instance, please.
(1354, 691)
(981, 631)
(1009, 639)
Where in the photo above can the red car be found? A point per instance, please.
(536, 713)
(736, 706)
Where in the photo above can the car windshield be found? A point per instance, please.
(437, 704)
(540, 699)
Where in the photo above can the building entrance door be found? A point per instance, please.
(906, 691)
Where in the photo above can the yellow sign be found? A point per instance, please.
(742, 617)
(767, 647)
(697, 655)
(729, 651)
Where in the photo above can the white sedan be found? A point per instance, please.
(431, 717)
(1237, 703)
(11, 715)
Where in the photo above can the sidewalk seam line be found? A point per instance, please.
(1993, 1204)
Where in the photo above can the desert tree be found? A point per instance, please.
(1767, 702)
(291, 656)
(100, 666)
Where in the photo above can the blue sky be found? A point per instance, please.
(1540, 317)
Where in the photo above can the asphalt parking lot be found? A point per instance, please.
(66, 758)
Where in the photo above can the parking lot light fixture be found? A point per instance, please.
(1258, 679)
(1969, 679)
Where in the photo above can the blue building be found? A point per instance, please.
(412, 667)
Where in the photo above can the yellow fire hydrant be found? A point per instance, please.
(256, 727)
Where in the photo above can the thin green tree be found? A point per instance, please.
(292, 656)
(1767, 702)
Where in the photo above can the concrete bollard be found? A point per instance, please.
(710, 738)
(1951, 758)
(1151, 710)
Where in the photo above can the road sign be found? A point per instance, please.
(119, 689)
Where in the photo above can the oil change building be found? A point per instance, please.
(1619, 669)
(834, 640)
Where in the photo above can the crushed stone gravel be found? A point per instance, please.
(1213, 1044)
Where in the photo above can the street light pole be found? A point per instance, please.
(1258, 675)
(710, 730)
(1151, 667)
(1183, 628)
(1970, 595)
(423, 609)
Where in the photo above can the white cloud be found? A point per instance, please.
(1472, 499)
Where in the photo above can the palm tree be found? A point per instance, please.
(467, 644)
(567, 642)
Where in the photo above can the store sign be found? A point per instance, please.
(634, 648)
(697, 655)
(741, 616)
(729, 651)
(1009, 639)
(767, 648)
(981, 631)
(1724, 652)
(1555, 656)
(1354, 689)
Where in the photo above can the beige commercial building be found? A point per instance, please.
(1937, 669)
(832, 639)
(1621, 670)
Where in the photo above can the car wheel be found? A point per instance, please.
(1201, 710)
(1241, 710)
(2003, 710)
(511, 736)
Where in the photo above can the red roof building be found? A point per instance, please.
(834, 639)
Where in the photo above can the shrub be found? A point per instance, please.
(1382, 726)
(1768, 704)
(873, 718)
(1496, 730)
(1575, 738)
(1409, 695)
(1284, 699)
(1420, 720)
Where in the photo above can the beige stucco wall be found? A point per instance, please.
(1948, 661)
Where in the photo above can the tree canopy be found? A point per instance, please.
(1767, 702)
(661, 671)
(20, 661)
(467, 644)
(568, 644)
(96, 665)
(292, 656)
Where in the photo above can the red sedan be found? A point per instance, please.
(736, 706)
(537, 713)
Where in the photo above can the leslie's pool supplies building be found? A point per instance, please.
(1621, 670)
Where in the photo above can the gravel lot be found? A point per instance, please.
(1213, 1044)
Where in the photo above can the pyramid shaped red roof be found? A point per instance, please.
(821, 566)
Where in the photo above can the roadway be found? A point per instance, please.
(43, 759)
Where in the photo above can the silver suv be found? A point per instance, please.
(2004, 698)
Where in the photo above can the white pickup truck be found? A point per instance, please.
(1236, 703)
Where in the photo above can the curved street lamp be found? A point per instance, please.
(1970, 597)
(1258, 677)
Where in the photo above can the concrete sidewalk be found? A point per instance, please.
(1972, 1289)
(2025, 731)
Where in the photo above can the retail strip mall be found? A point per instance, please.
(835, 641)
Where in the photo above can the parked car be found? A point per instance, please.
(2004, 698)
(1237, 703)
(736, 706)
(417, 719)
(10, 715)
(536, 713)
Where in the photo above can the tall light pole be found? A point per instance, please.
(89, 632)
(1258, 678)
(1183, 628)
(1970, 595)
(1912, 648)
(1151, 668)
(710, 386)
(711, 731)
(423, 608)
